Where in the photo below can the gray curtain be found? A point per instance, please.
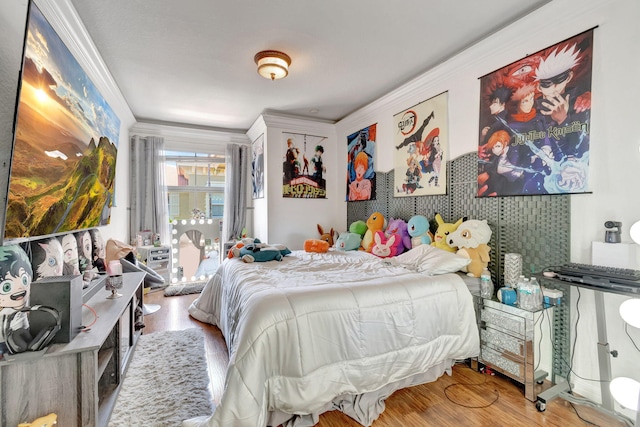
(148, 196)
(235, 191)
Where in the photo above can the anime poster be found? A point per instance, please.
(361, 176)
(535, 118)
(257, 167)
(303, 170)
(421, 142)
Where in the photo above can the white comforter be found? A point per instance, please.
(314, 327)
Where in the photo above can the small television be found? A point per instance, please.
(63, 159)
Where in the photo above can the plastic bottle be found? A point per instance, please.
(524, 293)
(537, 298)
(486, 284)
(519, 290)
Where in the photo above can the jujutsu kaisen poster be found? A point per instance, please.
(535, 118)
(303, 169)
(361, 175)
(421, 144)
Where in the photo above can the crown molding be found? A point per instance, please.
(64, 18)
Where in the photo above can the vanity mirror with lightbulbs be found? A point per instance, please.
(195, 249)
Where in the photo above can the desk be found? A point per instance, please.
(604, 363)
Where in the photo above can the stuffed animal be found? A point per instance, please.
(359, 227)
(383, 247)
(252, 250)
(471, 237)
(327, 237)
(316, 245)
(348, 241)
(443, 230)
(418, 229)
(376, 222)
(46, 421)
(398, 227)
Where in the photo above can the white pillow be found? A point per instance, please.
(430, 260)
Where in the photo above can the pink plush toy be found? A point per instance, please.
(383, 247)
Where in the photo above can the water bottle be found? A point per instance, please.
(486, 284)
(524, 294)
(537, 297)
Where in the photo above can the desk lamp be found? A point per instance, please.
(626, 391)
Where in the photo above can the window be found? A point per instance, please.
(195, 185)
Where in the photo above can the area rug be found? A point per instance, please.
(167, 381)
(184, 288)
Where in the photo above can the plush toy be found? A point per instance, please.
(443, 230)
(471, 237)
(348, 241)
(398, 227)
(358, 227)
(252, 250)
(316, 245)
(383, 247)
(327, 237)
(418, 229)
(46, 421)
(376, 222)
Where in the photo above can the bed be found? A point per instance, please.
(339, 330)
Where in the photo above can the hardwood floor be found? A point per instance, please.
(466, 398)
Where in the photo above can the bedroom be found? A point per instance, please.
(614, 164)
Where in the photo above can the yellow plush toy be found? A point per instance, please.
(472, 237)
(46, 421)
(444, 229)
(376, 222)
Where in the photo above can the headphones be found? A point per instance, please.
(21, 340)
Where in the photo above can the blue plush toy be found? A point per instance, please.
(348, 241)
(418, 228)
(259, 252)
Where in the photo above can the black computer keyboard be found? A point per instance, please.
(610, 273)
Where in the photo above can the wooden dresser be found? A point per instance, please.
(79, 380)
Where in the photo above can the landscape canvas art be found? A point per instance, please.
(65, 143)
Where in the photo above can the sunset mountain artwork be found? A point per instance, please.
(65, 146)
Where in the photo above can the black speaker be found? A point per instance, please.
(64, 293)
(34, 338)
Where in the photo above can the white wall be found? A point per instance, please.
(292, 221)
(615, 158)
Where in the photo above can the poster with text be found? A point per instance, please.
(535, 118)
(257, 167)
(421, 145)
(303, 169)
(361, 176)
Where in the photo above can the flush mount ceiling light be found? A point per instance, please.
(272, 64)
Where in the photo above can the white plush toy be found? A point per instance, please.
(471, 238)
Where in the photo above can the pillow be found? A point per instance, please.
(430, 260)
(46, 258)
(70, 264)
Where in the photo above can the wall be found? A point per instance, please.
(615, 158)
(291, 221)
(64, 20)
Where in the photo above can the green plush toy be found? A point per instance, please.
(358, 227)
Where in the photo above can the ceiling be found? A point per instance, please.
(191, 62)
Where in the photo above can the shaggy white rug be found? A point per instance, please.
(167, 381)
(184, 288)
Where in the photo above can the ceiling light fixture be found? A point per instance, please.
(272, 64)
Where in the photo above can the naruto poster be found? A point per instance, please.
(535, 120)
